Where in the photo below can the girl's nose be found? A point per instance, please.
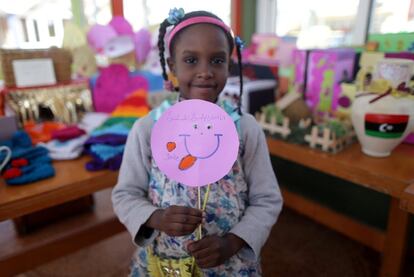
(205, 72)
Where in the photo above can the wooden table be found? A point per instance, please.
(393, 176)
(20, 253)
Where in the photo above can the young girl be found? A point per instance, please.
(159, 212)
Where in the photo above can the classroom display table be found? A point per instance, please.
(72, 181)
(393, 176)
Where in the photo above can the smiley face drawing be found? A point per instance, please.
(194, 142)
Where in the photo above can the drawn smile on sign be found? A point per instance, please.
(197, 156)
(191, 157)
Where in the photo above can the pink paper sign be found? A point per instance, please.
(195, 143)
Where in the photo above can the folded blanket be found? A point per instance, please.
(106, 143)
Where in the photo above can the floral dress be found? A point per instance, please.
(225, 206)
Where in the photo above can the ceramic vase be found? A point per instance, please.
(383, 124)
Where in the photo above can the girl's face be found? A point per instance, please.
(200, 61)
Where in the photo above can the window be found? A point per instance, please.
(97, 11)
(317, 23)
(34, 23)
(391, 16)
(143, 13)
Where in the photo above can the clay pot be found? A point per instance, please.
(383, 124)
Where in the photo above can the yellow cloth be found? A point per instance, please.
(159, 267)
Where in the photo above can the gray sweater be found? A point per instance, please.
(133, 208)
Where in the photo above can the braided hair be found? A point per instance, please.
(233, 42)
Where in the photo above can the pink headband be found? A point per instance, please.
(195, 20)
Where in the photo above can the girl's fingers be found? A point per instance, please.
(185, 211)
(207, 259)
(186, 219)
(201, 253)
(178, 229)
(205, 243)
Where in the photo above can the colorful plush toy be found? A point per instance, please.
(113, 84)
(117, 39)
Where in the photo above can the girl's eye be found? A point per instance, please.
(209, 126)
(190, 60)
(195, 126)
(217, 60)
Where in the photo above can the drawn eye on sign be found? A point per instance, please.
(195, 142)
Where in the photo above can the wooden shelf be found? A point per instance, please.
(391, 175)
(367, 235)
(21, 253)
(407, 199)
(70, 182)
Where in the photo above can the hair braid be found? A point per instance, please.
(239, 60)
(161, 47)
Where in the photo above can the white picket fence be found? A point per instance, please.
(273, 127)
(328, 140)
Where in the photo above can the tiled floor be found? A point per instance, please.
(297, 247)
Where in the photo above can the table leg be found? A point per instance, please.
(395, 241)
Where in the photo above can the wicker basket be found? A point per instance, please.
(62, 60)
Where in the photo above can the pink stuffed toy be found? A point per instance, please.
(121, 26)
(112, 85)
(99, 35)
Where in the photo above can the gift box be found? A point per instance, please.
(327, 69)
(256, 93)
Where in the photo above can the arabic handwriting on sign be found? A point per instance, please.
(194, 117)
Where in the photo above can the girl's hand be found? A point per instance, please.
(214, 250)
(175, 220)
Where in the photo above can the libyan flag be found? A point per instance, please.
(387, 126)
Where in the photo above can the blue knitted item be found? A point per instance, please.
(35, 163)
(113, 163)
(29, 153)
(105, 152)
(39, 172)
(39, 166)
(20, 139)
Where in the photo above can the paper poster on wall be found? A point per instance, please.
(34, 72)
(195, 143)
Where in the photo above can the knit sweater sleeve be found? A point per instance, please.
(130, 195)
(264, 197)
